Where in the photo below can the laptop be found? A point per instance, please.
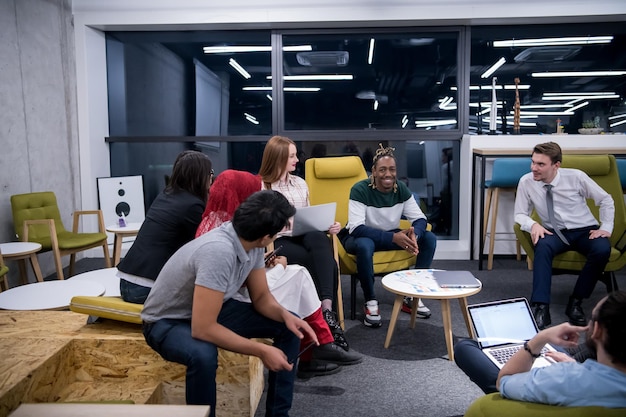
(313, 218)
(502, 327)
(456, 279)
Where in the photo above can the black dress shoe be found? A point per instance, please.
(575, 312)
(310, 369)
(330, 352)
(541, 312)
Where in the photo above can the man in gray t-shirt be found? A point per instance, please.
(190, 312)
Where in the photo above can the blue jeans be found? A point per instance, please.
(173, 341)
(133, 293)
(364, 248)
(597, 252)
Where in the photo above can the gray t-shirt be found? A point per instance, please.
(215, 260)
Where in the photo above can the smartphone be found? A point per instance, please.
(272, 254)
(307, 347)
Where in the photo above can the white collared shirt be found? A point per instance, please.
(571, 188)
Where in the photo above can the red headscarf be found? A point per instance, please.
(228, 191)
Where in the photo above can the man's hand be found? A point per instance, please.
(538, 232)
(299, 327)
(564, 334)
(557, 356)
(275, 359)
(406, 239)
(594, 234)
(275, 260)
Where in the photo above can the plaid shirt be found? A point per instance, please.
(294, 189)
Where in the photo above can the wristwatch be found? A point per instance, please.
(527, 349)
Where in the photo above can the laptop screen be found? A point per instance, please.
(502, 322)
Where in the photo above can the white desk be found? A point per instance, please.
(48, 295)
(106, 276)
(131, 229)
(20, 251)
(419, 283)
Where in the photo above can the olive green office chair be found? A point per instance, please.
(493, 405)
(330, 180)
(36, 218)
(4, 270)
(603, 170)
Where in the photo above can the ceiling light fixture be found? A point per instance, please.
(578, 40)
(498, 87)
(268, 97)
(370, 54)
(580, 96)
(405, 121)
(621, 122)
(245, 74)
(291, 89)
(578, 74)
(567, 112)
(617, 116)
(251, 118)
(493, 68)
(375, 105)
(432, 123)
(319, 77)
(242, 48)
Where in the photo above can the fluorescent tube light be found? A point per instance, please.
(617, 116)
(298, 89)
(239, 69)
(432, 123)
(581, 96)
(578, 74)
(498, 87)
(251, 118)
(319, 77)
(268, 97)
(370, 54)
(250, 48)
(493, 68)
(621, 122)
(579, 40)
(375, 105)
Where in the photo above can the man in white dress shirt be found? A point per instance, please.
(567, 225)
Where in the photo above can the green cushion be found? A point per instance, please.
(113, 308)
(3, 270)
(493, 405)
(36, 206)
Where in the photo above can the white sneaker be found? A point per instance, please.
(372, 316)
(422, 310)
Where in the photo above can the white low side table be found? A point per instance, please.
(20, 251)
(48, 295)
(420, 283)
(131, 229)
(107, 277)
(107, 410)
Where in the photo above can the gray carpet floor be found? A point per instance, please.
(413, 376)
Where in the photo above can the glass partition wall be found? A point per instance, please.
(342, 92)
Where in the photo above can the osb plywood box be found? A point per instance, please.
(55, 356)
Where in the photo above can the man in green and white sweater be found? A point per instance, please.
(375, 208)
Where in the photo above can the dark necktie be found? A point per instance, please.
(550, 204)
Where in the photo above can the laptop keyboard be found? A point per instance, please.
(504, 354)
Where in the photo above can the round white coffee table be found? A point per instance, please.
(419, 283)
(20, 251)
(48, 295)
(107, 277)
(131, 229)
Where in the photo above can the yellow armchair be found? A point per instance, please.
(36, 218)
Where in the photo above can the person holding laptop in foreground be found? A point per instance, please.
(190, 311)
(595, 382)
(559, 196)
(313, 250)
(374, 211)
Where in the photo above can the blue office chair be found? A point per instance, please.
(505, 176)
(621, 168)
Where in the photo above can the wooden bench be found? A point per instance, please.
(54, 356)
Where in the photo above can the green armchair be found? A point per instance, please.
(36, 218)
(603, 170)
(3, 274)
(493, 405)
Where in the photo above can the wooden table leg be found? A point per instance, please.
(414, 304)
(117, 249)
(447, 326)
(468, 323)
(394, 317)
(34, 263)
(21, 264)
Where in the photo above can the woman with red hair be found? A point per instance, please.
(291, 285)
